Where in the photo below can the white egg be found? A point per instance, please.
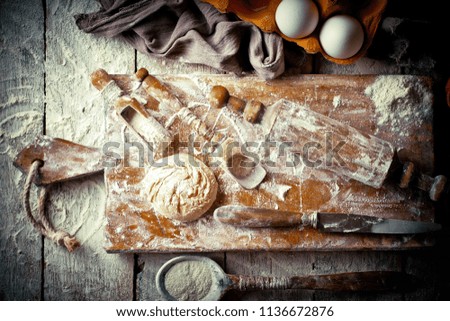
(297, 18)
(341, 36)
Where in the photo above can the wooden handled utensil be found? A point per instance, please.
(252, 217)
(222, 282)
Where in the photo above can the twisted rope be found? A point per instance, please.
(42, 223)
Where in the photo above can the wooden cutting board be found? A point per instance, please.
(397, 109)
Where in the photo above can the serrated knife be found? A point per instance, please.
(253, 217)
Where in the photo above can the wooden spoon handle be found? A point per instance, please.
(351, 281)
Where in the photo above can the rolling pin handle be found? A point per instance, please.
(100, 79)
(407, 175)
(253, 110)
(438, 187)
(220, 97)
(434, 186)
(141, 74)
(236, 104)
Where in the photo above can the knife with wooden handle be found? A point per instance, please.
(253, 217)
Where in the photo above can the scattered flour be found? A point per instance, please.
(14, 128)
(279, 190)
(401, 103)
(188, 281)
(390, 24)
(337, 101)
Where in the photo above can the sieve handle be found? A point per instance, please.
(350, 281)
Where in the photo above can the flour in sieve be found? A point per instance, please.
(188, 281)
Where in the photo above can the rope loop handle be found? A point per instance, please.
(42, 223)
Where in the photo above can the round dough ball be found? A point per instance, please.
(182, 187)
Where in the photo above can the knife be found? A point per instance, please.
(253, 217)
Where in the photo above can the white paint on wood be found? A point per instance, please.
(75, 112)
(21, 114)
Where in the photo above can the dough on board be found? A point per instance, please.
(181, 187)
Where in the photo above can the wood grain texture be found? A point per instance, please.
(21, 115)
(268, 264)
(313, 263)
(74, 112)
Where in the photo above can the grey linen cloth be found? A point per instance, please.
(189, 29)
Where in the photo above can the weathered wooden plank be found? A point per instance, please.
(21, 115)
(335, 262)
(268, 264)
(427, 266)
(311, 263)
(75, 112)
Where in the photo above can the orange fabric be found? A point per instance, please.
(262, 14)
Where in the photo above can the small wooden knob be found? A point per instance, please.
(236, 104)
(252, 110)
(407, 175)
(100, 79)
(141, 74)
(150, 82)
(218, 96)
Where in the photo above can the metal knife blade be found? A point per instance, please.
(354, 223)
(325, 222)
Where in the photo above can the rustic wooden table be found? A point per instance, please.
(45, 89)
